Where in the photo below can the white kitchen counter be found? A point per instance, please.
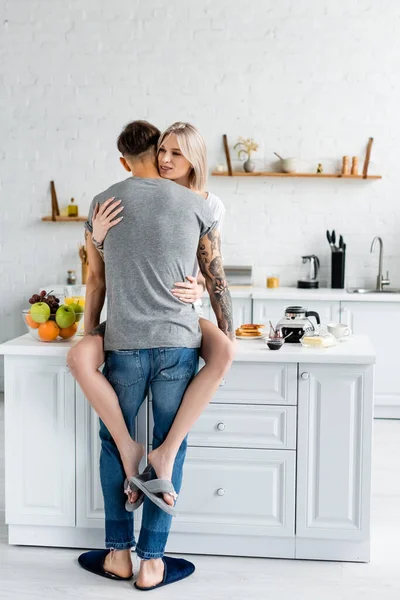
(293, 425)
(320, 295)
(292, 293)
(357, 350)
(323, 294)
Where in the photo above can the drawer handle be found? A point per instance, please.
(221, 492)
(223, 382)
(221, 426)
(305, 375)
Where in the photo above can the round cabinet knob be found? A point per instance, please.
(221, 492)
(221, 426)
(223, 382)
(305, 375)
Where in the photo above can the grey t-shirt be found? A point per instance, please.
(145, 254)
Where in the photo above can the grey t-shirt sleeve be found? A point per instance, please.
(207, 221)
(89, 223)
(206, 228)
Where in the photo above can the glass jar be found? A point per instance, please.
(71, 277)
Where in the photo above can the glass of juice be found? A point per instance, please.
(75, 295)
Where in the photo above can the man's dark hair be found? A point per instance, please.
(138, 137)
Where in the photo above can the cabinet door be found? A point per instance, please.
(237, 492)
(273, 310)
(39, 442)
(373, 318)
(90, 505)
(242, 308)
(239, 426)
(258, 383)
(334, 452)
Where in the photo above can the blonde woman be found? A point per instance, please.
(181, 156)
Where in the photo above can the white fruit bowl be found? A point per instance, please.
(49, 330)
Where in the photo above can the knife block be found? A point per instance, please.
(338, 268)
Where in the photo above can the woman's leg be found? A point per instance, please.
(218, 352)
(84, 360)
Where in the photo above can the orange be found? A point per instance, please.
(31, 323)
(48, 331)
(68, 332)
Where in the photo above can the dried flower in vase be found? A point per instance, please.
(247, 146)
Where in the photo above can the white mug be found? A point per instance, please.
(339, 330)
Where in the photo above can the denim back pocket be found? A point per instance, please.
(123, 367)
(178, 363)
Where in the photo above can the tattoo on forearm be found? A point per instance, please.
(211, 266)
(216, 267)
(215, 240)
(202, 254)
(223, 297)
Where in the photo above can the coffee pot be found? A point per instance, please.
(296, 323)
(309, 280)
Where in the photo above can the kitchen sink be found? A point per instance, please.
(372, 291)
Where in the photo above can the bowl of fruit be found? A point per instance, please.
(48, 321)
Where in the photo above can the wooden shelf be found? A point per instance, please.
(313, 175)
(65, 219)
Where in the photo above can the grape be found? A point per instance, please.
(43, 293)
(36, 298)
(31, 301)
(57, 300)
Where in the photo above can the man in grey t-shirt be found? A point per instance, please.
(153, 246)
(151, 339)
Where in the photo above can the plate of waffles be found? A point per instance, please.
(250, 332)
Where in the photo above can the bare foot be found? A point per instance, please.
(130, 460)
(118, 562)
(151, 572)
(163, 465)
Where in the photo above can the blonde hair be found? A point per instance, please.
(193, 148)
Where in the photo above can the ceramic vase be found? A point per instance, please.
(249, 166)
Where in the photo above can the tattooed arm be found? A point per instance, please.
(95, 286)
(210, 263)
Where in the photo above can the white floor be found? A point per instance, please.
(45, 573)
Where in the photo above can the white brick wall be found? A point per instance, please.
(303, 77)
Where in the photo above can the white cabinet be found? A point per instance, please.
(333, 461)
(236, 502)
(89, 495)
(273, 310)
(245, 426)
(90, 506)
(278, 465)
(259, 383)
(241, 308)
(246, 492)
(380, 321)
(40, 442)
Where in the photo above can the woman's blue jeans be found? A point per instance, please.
(132, 373)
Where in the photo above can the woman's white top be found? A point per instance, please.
(218, 210)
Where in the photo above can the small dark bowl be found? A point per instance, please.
(275, 344)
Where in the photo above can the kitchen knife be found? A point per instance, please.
(341, 242)
(328, 237)
(333, 237)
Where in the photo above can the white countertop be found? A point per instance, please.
(357, 350)
(292, 293)
(327, 294)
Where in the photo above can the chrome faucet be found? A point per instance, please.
(380, 280)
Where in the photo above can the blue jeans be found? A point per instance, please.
(167, 372)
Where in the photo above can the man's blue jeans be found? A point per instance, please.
(132, 373)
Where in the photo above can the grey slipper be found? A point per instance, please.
(154, 490)
(131, 487)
